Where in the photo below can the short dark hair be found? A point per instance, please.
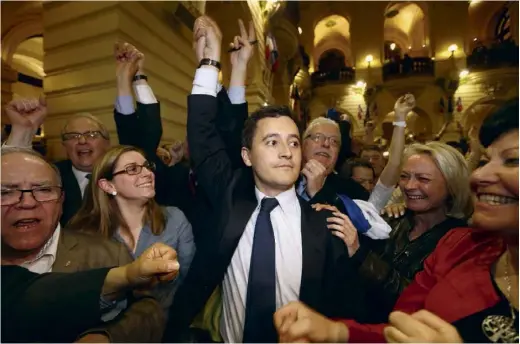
(500, 122)
(347, 170)
(371, 148)
(271, 111)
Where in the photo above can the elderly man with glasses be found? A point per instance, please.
(31, 206)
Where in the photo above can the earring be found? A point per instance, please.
(113, 193)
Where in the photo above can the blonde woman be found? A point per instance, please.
(434, 183)
(119, 203)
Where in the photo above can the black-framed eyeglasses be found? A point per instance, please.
(136, 169)
(41, 194)
(320, 138)
(88, 135)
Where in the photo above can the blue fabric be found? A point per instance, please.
(261, 286)
(301, 190)
(355, 214)
(125, 105)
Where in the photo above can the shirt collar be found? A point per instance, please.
(80, 175)
(287, 199)
(50, 248)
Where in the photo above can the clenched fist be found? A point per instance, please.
(207, 39)
(403, 106)
(27, 113)
(315, 173)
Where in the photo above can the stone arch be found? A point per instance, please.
(332, 32)
(483, 19)
(479, 110)
(407, 24)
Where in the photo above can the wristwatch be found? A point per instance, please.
(209, 62)
(140, 77)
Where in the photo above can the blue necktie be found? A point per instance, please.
(261, 286)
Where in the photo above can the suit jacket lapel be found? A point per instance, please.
(313, 255)
(65, 259)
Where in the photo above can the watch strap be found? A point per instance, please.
(210, 62)
(139, 77)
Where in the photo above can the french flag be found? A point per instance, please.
(271, 52)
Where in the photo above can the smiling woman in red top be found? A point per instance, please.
(468, 291)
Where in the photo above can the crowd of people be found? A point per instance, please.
(252, 231)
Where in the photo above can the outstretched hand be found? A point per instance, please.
(242, 42)
(403, 106)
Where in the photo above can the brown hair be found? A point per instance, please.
(99, 211)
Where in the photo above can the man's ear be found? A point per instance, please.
(106, 186)
(245, 156)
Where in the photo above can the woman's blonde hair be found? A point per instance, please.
(455, 170)
(99, 211)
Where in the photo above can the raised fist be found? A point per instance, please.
(403, 106)
(207, 39)
(27, 113)
(129, 61)
(243, 43)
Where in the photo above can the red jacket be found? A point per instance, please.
(455, 282)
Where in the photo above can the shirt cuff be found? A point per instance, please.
(144, 94)
(237, 95)
(125, 105)
(205, 82)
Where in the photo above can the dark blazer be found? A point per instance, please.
(231, 194)
(53, 307)
(131, 129)
(455, 283)
(143, 319)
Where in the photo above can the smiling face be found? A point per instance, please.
(129, 186)
(322, 143)
(275, 154)
(84, 151)
(495, 186)
(422, 184)
(28, 224)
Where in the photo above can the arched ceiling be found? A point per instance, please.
(408, 19)
(28, 58)
(331, 26)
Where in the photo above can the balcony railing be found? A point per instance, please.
(343, 76)
(504, 54)
(416, 66)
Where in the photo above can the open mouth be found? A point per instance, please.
(493, 199)
(415, 197)
(323, 154)
(145, 185)
(26, 223)
(84, 152)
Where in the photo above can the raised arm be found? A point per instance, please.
(26, 116)
(208, 153)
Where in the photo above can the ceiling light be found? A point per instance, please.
(361, 84)
(410, 47)
(424, 45)
(300, 30)
(475, 39)
(453, 48)
(392, 46)
(433, 58)
(369, 58)
(464, 73)
(265, 104)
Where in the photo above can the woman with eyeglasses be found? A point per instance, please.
(119, 203)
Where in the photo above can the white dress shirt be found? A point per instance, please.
(82, 179)
(286, 221)
(47, 256)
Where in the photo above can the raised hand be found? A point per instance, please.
(403, 106)
(243, 43)
(420, 327)
(315, 173)
(27, 113)
(207, 39)
(297, 323)
(129, 62)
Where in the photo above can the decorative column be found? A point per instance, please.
(80, 68)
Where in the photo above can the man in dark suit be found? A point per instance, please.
(59, 307)
(253, 208)
(32, 200)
